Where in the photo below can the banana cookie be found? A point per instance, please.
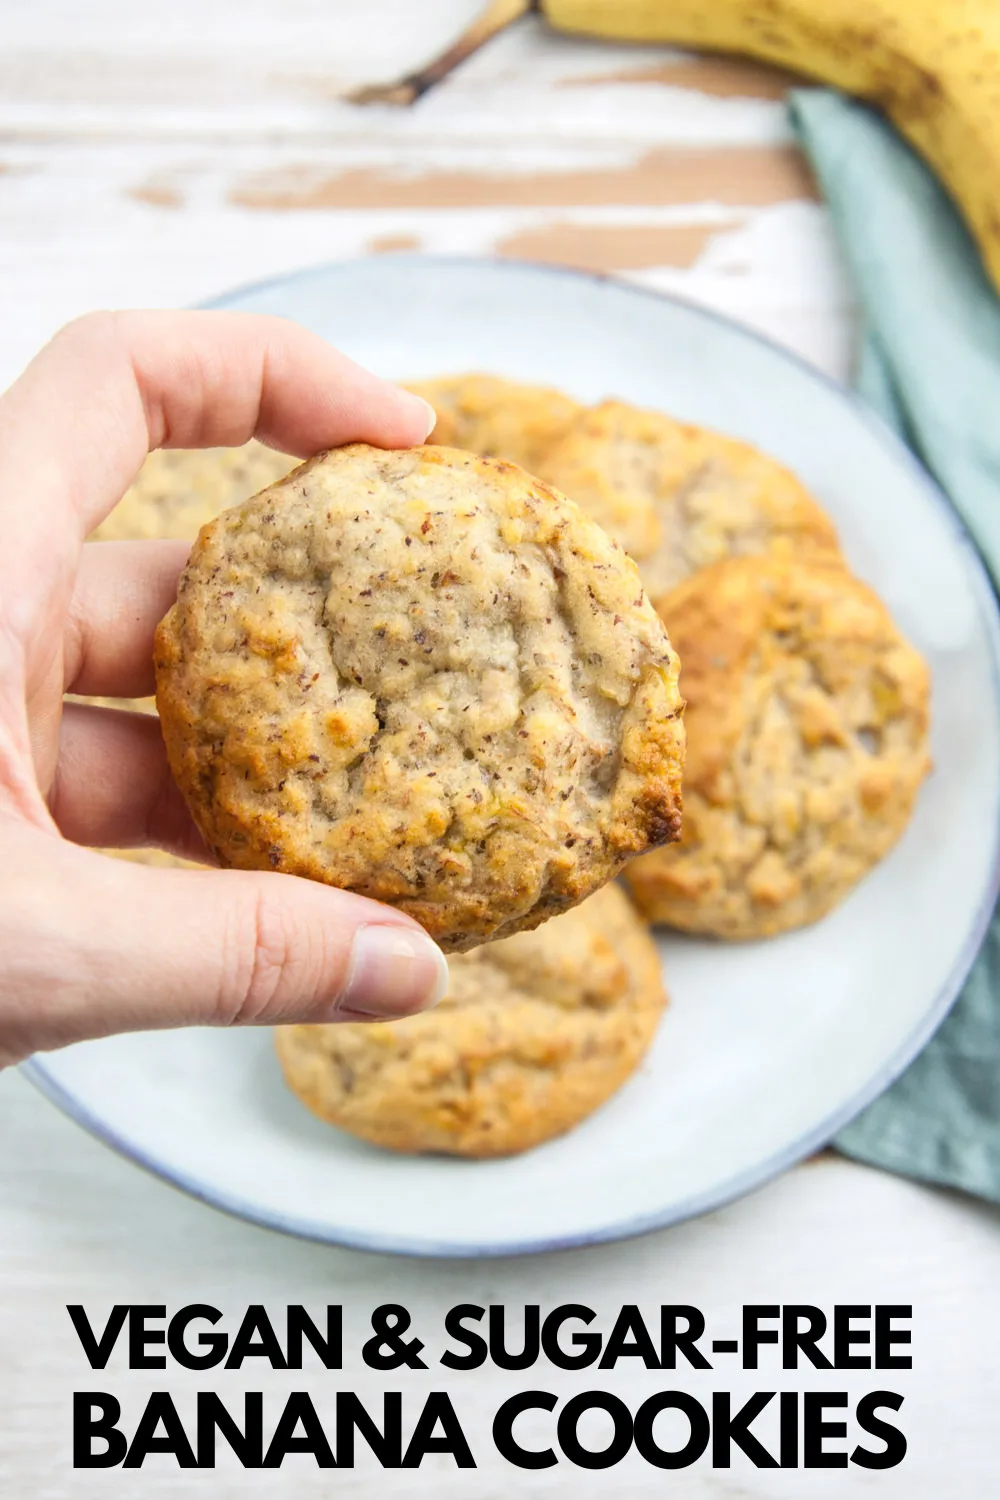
(807, 723)
(176, 492)
(535, 1032)
(497, 418)
(426, 677)
(179, 489)
(679, 497)
(159, 858)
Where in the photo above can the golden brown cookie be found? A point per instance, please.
(535, 1032)
(426, 677)
(679, 497)
(176, 492)
(496, 418)
(807, 717)
(179, 489)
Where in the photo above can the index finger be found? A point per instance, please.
(76, 426)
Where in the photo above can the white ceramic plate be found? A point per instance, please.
(767, 1048)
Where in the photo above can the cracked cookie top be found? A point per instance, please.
(807, 726)
(679, 497)
(535, 1032)
(426, 677)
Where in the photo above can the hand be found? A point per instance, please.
(88, 944)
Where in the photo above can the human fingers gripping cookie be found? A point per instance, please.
(90, 945)
(425, 677)
(536, 1031)
(177, 491)
(807, 717)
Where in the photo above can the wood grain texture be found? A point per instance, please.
(614, 247)
(745, 177)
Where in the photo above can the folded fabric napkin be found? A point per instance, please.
(930, 364)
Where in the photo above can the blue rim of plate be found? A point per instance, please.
(804, 1145)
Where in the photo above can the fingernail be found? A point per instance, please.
(393, 971)
(431, 415)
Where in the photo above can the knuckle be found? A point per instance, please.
(89, 328)
(274, 971)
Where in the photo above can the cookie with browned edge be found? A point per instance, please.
(426, 677)
(679, 497)
(536, 1031)
(807, 725)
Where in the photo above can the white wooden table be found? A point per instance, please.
(154, 156)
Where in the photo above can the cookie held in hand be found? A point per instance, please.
(534, 1034)
(425, 677)
(807, 718)
(679, 497)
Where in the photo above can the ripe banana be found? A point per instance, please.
(933, 66)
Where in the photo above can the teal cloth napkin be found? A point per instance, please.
(930, 364)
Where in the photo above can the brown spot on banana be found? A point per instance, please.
(720, 77)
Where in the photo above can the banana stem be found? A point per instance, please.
(497, 16)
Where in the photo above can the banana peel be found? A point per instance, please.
(933, 66)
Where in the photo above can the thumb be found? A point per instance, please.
(91, 945)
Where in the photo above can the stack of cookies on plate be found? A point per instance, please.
(807, 711)
(506, 727)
